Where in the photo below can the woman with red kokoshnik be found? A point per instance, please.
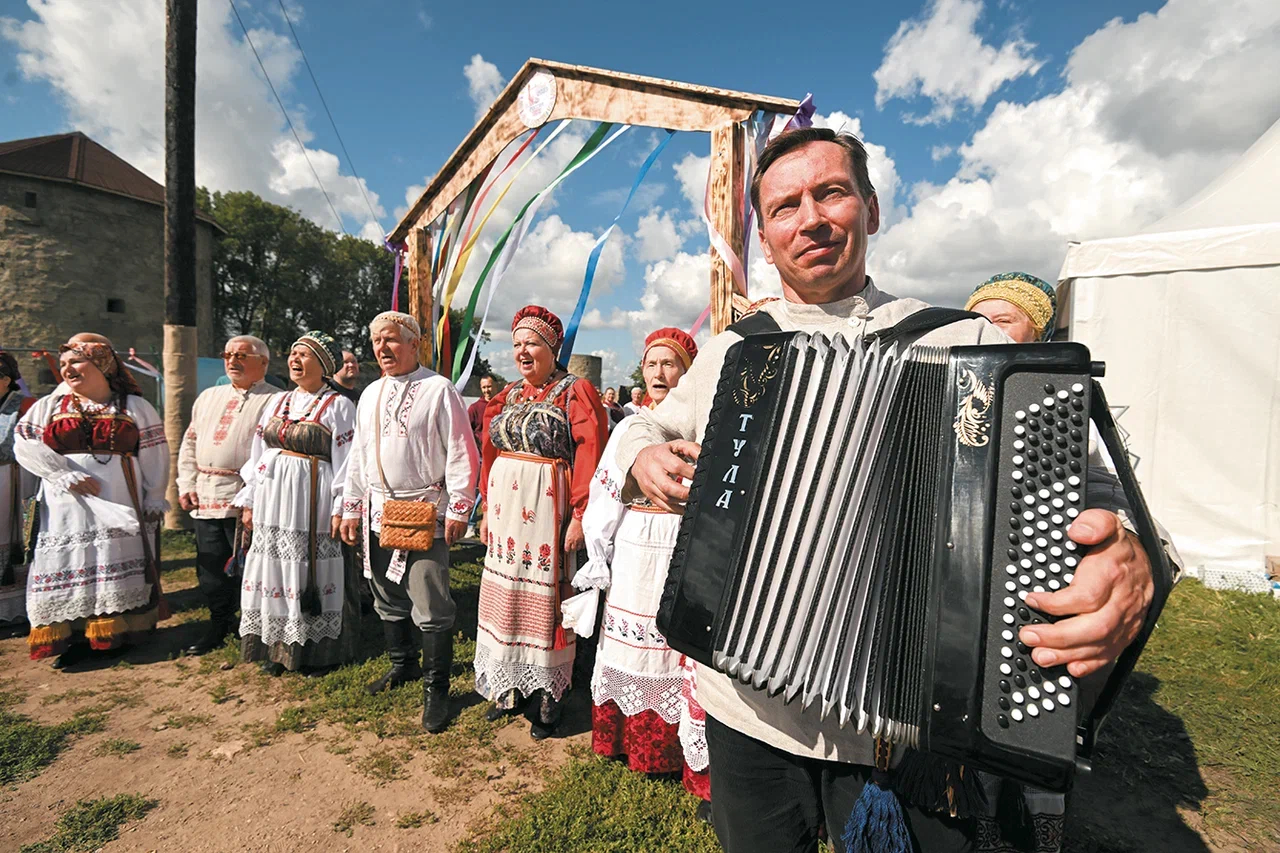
(638, 689)
(542, 439)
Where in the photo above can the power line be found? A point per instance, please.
(325, 104)
(288, 120)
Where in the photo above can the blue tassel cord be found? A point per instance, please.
(876, 824)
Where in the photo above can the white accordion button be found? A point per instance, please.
(1069, 545)
(1033, 692)
(1071, 562)
(1033, 711)
(1028, 516)
(1059, 503)
(1073, 481)
(1010, 586)
(1026, 548)
(1037, 588)
(1040, 558)
(1043, 525)
(1041, 542)
(1068, 577)
(1028, 531)
(1022, 594)
(1020, 415)
(1029, 500)
(1040, 574)
(1050, 687)
(1057, 487)
(1072, 512)
(1077, 389)
(1064, 700)
(1025, 563)
(1053, 583)
(1074, 497)
(1006, 652)
(1055, 551)
(1057, 519)
(1043, 494)
(1019, 430)
(1018, 460)
(1007, 635)
(1062, 395)
(1055, 568)
(1011, 570)
(1005, 669)
(1047, 704)
(1042, 509)
(1008, 617)
(1017, 475)
(1056, 535)
(1048, 402)
(1017, 696)
(1009, 602)
(1016, 714)
(1025, 580)
(1064, 682)
(1034, 409)
(1019, 445)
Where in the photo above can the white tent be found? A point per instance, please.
(1187, 317)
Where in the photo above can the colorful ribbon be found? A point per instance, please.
(473, 234)
(504, 251)
(571, 331)
(397, 250)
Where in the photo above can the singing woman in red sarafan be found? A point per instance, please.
(542, 439)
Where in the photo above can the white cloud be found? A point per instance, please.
(657, 236)
(1105, 156)
(942, 58)
(940, 152)
(614, 371)
(88, 53)
(485, 82)
(411, 194)
(424, 18)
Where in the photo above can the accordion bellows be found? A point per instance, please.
(864, 525)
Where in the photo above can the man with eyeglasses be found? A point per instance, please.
(213, 450)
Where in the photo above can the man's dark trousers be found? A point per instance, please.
(215, 541)
(767, 800)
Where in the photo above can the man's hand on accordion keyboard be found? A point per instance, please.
(660, 469)
(1104, 606)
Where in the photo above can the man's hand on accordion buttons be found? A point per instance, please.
(1104, 606)
(659, 470)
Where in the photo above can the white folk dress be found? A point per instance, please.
(638, 686)
(90, 568)
(296, 427)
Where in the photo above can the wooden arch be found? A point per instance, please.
(542, 92)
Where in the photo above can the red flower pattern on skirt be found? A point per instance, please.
(650, 744)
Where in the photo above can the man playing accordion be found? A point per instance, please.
(779, 774)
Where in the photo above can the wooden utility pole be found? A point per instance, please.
(180, 352)
(418, 273)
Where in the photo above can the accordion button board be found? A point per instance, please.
(863, 529)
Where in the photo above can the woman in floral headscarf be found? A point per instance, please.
(99, 450)
(542, 440)
(299, 599)
(16, 485)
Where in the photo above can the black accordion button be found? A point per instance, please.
(1013, 537)
(1063, 411)
(1074, 466)
(1060, 457)
(1062, 426)
(1061, 441)
(1020, 664)
(1033, 455)
(1077, 404)
(1034, 426)
(1023, 649)
(1024, 614)
(1077, 435)
(1036, 676)
(1004, 686)
(1045, 479)
(1013, 553)
(1003, 702)
(1016, 492)
(1046, 463)
(1075, 450)
(1048, 389)
(1002, 720)
(1059, 473)
(1077, 419)
(1020, 681)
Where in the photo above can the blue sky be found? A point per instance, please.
(999, 130)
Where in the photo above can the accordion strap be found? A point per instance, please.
(925, 320)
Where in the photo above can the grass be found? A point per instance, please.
(27, 747)
(383, 765)
(598, 805)
(415, 820)
(353, 815)
(117, 746)
(178, 750)
(90, 824)
(187, 721)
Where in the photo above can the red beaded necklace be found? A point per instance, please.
(284, 414)
(86, 430)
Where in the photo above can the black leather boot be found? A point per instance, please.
(213, 637)
(398, 637)
(437, 659)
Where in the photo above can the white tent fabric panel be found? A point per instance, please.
(1200, 249)
(1195, 355)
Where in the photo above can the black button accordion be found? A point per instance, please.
(865, 523)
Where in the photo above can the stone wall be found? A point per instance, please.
(84, 260)
(586, 367)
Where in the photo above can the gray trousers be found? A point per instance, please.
(421, 595)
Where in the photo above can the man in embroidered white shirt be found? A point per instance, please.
(413, 439)
(776, 770)
(213, 450)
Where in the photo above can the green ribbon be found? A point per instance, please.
(584, 153)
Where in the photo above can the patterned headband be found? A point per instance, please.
(404, 321)
(541, 328)
(675, 345)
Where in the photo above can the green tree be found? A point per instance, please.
(276, 274)
(637, 377)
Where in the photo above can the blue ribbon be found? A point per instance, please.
(571, 332)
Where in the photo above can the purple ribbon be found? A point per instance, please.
(396, 249)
